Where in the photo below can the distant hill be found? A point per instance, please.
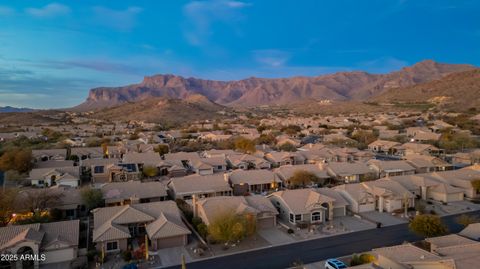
(251, 92)
(9, 109)
(163, 110)
(458, 91)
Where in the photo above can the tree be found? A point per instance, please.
(162, 149)
(301, 178)
(8, 198)
(267, 139)
(288, 147)
(476, 185)
(466, 220)
(92, 198)
(428, 226)
(229, 227)
(150, 171)
(362, 259)
(244, 145)
(39, 200)
(19, 160)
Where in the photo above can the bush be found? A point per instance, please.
(428, 226)
(290, 231)
(127, 256)
(362, 259)
(202, 229)
(196, 221)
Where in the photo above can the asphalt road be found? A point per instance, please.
(318, 249)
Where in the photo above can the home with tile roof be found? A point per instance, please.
(130, 192)
(253, 181)
(202, 186)
(116, 228)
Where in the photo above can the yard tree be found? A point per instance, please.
(162, 149)
(228, 227)
(39, 200)
(19, 160)
(476, 184)
(466, 220)
(92, 198)
(244, 145)
(267, 139)
(7, 205)
(150, 171)
(287, 147)
(301, 178)
(428, 226)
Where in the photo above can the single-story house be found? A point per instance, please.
(391, 168)
(287, 171)
(253, 181)
(202, 186)
(46, 177)
(349, 172)
(130, 192)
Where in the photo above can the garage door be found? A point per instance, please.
(169, 242)
(266, 223)
(339, 212)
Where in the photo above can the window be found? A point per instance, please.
(298, 217)
(219, 167)
(112, 246)
(316, 216)
(292, 220)
(98, 170)
(70, 213)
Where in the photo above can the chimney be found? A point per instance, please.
(194, 205)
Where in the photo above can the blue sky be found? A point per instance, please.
(52, 53)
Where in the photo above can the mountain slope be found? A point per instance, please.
(163, 109)
(257, 91)
(457, 91)
(10, 109)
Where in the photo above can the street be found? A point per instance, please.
(318, 249)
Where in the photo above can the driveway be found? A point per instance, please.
(275, 236)
(353, 224)
(173, 256)
(385, 218)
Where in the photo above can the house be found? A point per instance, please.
(340, 204)
(358, 198)
(419, 148)
(284, 158)
(130, 192)
(390, 195)
(247, 161)
(422, 134)
(57, 242)
(427, 164)
(112, 172)
(116, 228)
(202, 168)
(349, 172)
(426, 187)
(253, 181)
(287, 171)
(391, 168)
(46, 177)
(472, 231)
(143, 159)
(87, 153)
(211, 208)
(384, 147)
(218, 164)
(202, 186)
(461, 178)
(41, 155)
(302, 206)
(439, 242)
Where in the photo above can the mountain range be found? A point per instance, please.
(252, 92)
(10, 109)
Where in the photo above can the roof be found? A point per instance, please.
(348, 168)
(287, 171)
(162, 218)
(385, 187)
(302, 201)
(384, 143)
(391, 165)
(40, 173)
(199, 184)
(465, 256)
(472, 231)
(146, 158)
(449, 240)
(41, 233)
(406, 253)
(126, 190)
(252, 177)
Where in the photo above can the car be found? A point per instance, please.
(334, 264)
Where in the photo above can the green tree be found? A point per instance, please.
(301, 178)
(8, 199)
(162, 149)
(428, 226)
(466, 220)
(476, 184)
(150, 171)
(267, 139)
(92, 198)
(362, 259)
(229, 227)
(244, 145)
(16, 159)
(287, 147)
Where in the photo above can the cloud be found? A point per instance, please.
(271, 57)
(121, 20)
(201, 15)
(6, 11)
(48, 11)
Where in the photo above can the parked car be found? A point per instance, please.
(334, 264)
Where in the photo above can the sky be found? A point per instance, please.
(53, 52)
